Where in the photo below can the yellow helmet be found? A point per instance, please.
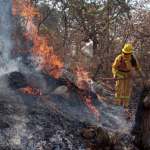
(128, 48)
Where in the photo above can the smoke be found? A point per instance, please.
(110, 115)
(6, 63)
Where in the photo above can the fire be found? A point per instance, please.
(83, 79)
(25, 9)
(45, 56)
(92, 108)
(81, 73)
(31, 91)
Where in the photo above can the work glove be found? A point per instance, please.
(118, 75)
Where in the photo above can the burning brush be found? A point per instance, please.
(83, 83)
(44, 55)
(46, 59)
(31, 91)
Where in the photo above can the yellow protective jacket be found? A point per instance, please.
(122, 66)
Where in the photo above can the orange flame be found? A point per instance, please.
(83, 79)
(81, 73)
(31, 91)
(48, 61)
(45, 57)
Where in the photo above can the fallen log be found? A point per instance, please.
(89, 85)
(19, 80)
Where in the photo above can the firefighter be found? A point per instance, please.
(122, 68)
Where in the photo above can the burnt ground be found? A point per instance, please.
(51, 121)
(30, 123)
(39, 126)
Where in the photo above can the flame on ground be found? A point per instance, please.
(45, 56)
(31, 91)
(83, 79)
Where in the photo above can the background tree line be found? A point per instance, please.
(69, 24)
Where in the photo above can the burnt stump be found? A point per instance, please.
(142, 120)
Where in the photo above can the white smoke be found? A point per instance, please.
(6, 63)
